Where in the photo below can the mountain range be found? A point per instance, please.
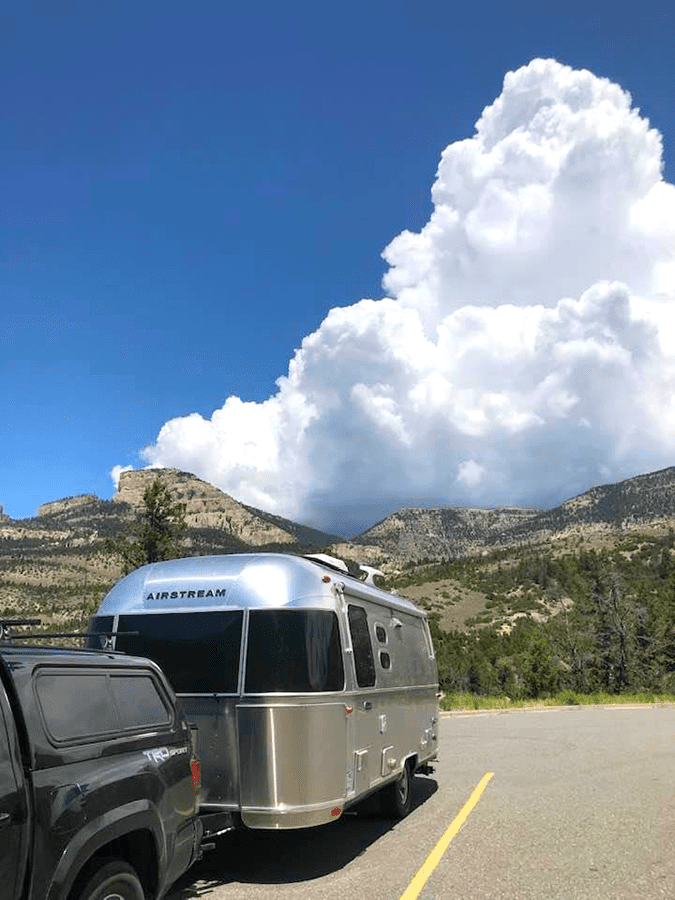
(63, 554)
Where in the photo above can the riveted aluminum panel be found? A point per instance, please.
(291, 756)
(215, 718)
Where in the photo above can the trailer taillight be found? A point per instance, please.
(195, 766)
(196, 770)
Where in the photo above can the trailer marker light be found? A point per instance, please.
(326, 578)
(335, 812)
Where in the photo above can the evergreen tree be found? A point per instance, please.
(156, 534)
(540, 675)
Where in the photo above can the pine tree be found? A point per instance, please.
(156, 535)
(540, 672)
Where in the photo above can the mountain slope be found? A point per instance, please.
(420, 533)
(415, 534)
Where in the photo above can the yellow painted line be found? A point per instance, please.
(418, 882)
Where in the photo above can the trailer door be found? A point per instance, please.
(364, 719)
(291, 727)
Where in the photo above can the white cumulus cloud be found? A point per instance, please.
(526, 346)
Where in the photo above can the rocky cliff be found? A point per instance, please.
(206, 506)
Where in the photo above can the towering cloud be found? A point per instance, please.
(525, 350)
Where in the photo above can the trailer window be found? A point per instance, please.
(97, 625)
(409, 662)
(363, 649)
(198, 651)
(293, 651)
(427, 639)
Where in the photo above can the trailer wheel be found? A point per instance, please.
(111, 879)
(396, 798)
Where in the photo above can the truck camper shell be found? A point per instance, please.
(309, 689)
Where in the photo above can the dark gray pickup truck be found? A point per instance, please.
(98, 786)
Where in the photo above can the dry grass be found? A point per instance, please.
(453, 600)
(464, 702)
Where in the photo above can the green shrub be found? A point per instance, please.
(567, 698)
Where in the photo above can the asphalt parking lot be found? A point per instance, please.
(580, 804)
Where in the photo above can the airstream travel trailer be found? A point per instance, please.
(309, 689)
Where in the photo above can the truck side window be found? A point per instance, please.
(363, 650)
(76, 706)
(7, 783)
(138, 701)
(81, 706)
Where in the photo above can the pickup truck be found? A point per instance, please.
(98, 783)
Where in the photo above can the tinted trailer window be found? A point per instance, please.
(293, 651)
(198, 651)
(363, 649)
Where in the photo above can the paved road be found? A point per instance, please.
(581, 807)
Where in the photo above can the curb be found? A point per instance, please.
(449, 713)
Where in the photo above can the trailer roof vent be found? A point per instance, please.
(370, 574)
(331, 562)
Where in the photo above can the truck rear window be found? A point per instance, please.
(293, 651)
(198, 651)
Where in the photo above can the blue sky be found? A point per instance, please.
(186, 191)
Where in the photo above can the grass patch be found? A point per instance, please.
(564, 698)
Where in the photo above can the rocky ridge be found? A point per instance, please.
(206, 506)
(420, 533)
(416, 534)
(67, 505)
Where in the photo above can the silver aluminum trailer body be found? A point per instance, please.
(309, 688)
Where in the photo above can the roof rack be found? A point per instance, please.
(7, 636)
(6, 624)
